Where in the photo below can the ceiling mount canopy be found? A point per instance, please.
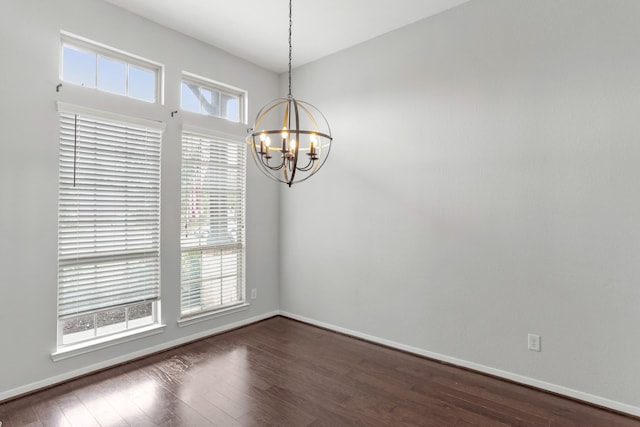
(296, 150)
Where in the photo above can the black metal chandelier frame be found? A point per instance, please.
(315, 132)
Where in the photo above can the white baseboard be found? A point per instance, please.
(565, 391)
(125, 358)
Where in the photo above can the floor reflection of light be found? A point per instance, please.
(227, 372)
(222, 378)
(129, 400)
(144, 394)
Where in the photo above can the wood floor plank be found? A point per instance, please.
(214, 414)
(19, 413)
(281, 372)
(326, 413)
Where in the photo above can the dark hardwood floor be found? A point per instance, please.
(280, 372)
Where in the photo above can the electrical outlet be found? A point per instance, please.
(254, 293)
(534, 342)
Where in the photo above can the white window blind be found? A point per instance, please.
(212, 224)
(109, 213)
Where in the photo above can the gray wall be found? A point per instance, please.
(29, 45)
(484, 185)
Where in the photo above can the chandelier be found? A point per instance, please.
(297, 150)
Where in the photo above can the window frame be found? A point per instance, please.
(89, 341)
(81, 346)
(99, 49)
(205, 83)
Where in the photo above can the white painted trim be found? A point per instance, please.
(565, 391)
(131, 356)
(65, 107)
(107, 341)
(213, 134)
(211, 315)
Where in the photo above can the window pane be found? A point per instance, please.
(140, 311)
(112, 75)
(142, 84)
(77, 324)
(210, 102)
(78, 67)
(230, 107)
(190, 97)
(78, 329)
(110, 321)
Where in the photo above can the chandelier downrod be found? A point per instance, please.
(290, 45)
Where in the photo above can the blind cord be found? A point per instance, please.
(75, 147)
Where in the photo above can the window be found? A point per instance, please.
(203, 96)
(92, 65)
(212, 223)
(108, 224)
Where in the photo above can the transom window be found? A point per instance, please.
(203, 96)
(96, 66)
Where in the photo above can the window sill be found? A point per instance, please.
(212, 315)
(104, 342)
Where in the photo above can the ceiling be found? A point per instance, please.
(257, 30)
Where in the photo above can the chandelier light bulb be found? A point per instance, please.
(267, 143)
(312, 145)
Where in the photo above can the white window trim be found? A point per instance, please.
(106, 341)
(64, 107)
(115, 54)
(100, 342)
(203, 317)
(210, 133)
